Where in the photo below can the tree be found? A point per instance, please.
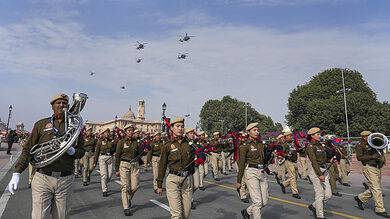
(317, 103)
(228, 114)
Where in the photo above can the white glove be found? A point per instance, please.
(13, 184)
(71, 151)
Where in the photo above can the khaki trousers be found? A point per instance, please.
(196, 179)
(206, 165)
(373, 176)
(332, 177)
(281, 170)
(258, 190)
(343, 170)
(224, 160)
(292, 177)
(87, 165)
(215, 159)
(31, 172)
(302, 166)
(155, 161)
(51, 195)
(243, 188)
(201, 174)
(129, 174)
(322, 192)
(179, 198)
(105, 167)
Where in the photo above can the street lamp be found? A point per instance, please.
(221, 120)
(246, 114)
(344, 90)
(116, 118)
(164, 107)
(9, 117)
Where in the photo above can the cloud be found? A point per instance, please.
(191, 17)
(283, 2)
(39, 58)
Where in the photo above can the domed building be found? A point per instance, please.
(128, 118)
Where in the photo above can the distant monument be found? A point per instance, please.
(141, 110)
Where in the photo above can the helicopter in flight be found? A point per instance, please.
(123, 87)
(140, 45)
(91, 73)
(138, 60)
(182, 56)
(185, 38)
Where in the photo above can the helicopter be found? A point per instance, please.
(123, 87)
(138, 60)
(185, 38)
(140, 45)
(182, 55)
(91, 73)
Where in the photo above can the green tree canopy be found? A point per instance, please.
(318, 103)
(228, 114)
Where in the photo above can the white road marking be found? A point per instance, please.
(160, 204)
(6, 194)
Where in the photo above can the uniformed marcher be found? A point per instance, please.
(154, 156)
(280, 159)
(88, 159)
(51, 185)
(251, 164)
(190, 135)
(318, 172)
(105, 149)
(216, 158)
(127, 167)
(372, 161)
(291, 157)
(343, 166)
(178, 156)
(202, 167)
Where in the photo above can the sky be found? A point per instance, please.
(257, 51)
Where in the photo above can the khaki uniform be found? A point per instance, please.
(333, 175)
(291, 165)
(251, 161)
(154, 159)
(127, 155)
(317, 155)
(216, 159)
(372, 163)
(88, 159)
(51, 185)
(177, 156)
(243, 188)
(103, 154)
(303, 163)
(343, 166)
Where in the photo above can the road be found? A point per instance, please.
(219, 200)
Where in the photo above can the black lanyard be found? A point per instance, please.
(55, 130)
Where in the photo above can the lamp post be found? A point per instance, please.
(344, 90)
(246, 114)
(9, 117)
(116, 118)
(221, 120)
(164, 107)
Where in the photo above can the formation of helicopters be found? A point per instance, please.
(141, 46)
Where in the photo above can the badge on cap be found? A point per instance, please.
(173, 146)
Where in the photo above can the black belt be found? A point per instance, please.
(323, 166)
(257, 166)
(155, 155)
(55, 173)
(129, 161)
(108, 154)
(179, 173)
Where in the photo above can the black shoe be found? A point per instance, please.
(359, 202)
(277, 179)
(297, 196)
(193, 206)
(382, 214)
(85, 183)
(305, 179)
(299, 175)
(309, 180)
(346, 184)
(365, 185)
(127, 212)
(283, 188)
(312, 209)
(105, 194)
(29, 185)
(225, 174)
(202, 188)
(216, 179)
(8, 153)
(245, 214)
(245, 200)
(337, 194)
(89, 179)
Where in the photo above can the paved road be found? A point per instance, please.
(219, 200)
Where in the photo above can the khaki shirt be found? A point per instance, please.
(369, 155)
(103, 147)
(317, 155)
(250, 152)
(44, 131)
(175, 155)
(291, 152)
(126, 150)
(90, 144)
